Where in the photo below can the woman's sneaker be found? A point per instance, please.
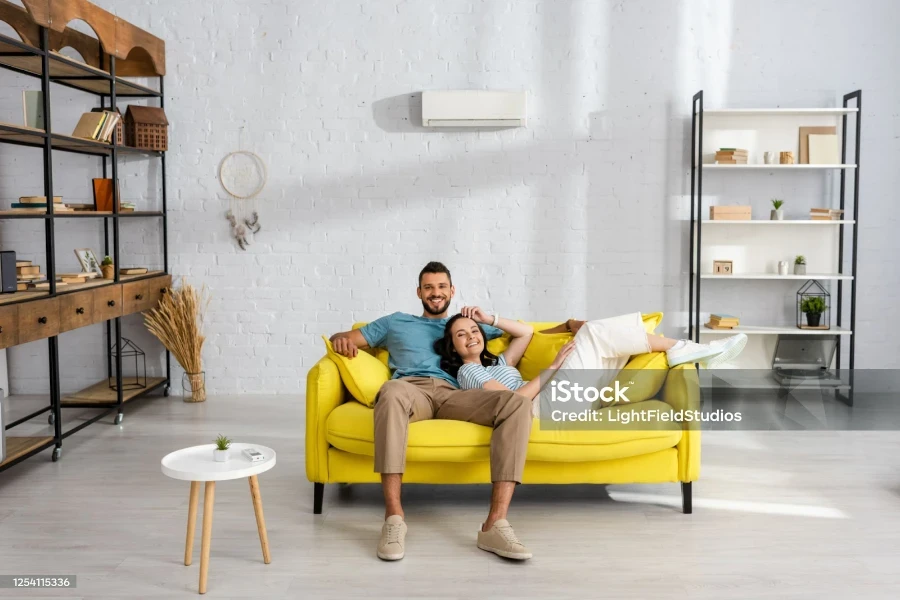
(709, 355)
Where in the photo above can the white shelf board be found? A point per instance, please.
(766, 222)
(794, 167)
(820, 276)
(774, 330)
(778, 111)
(728, 378)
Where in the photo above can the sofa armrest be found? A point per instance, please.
(681, 391)
(324, 393)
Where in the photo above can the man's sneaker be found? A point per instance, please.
(710, 355)
(502, 541)
(393, 534)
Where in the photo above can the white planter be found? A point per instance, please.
(777, 215)
(799, 269)
(221, 455)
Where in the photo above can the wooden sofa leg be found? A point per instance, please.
(318, 493)
(687, 504)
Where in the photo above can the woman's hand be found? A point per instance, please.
(561, 356)
(476, 314)
(574, 325)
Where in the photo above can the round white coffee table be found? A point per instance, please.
(196, 464)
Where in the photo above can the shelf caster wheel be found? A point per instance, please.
(167, 390)
(57, 452)
(119, 418)
(51, 419)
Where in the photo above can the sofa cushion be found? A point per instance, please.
(350, 427)
(363, 375)
(544, 347)
(644, 375)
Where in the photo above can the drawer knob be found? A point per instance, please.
(42, 320)
(79, 310)
(138, 296)
(1, 329)
(111, 303)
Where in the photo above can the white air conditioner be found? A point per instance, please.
(473, 108)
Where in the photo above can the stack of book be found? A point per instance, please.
(825, 214)
(731, 156)
(28, 276)
(38, 204)
(722, 321)
(126, 207)
(133, 270)
(97, 126)
(68, 278)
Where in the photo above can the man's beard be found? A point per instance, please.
(443, 308)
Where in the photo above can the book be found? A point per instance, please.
(38, 200)
(713, 326)
(724, 321)
(23, 263)
(45, 285)
(88, 275)
(79, 279)
(33, 108)
(103, 194)
(735, 150)
(28, 270)
(21, 286)
(89, 125)
(133, 270)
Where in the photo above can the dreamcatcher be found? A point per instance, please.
(243, 175)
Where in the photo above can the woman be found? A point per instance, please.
(604, 344)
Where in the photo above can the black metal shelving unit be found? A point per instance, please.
(852, 103)
(107, 86)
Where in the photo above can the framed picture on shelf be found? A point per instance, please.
(89, 262)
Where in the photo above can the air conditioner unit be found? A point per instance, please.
(473, 108)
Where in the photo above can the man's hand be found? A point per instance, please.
(476, 314)
(344, 346)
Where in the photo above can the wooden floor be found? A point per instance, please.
(777, 515)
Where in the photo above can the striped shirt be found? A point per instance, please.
(474, 375)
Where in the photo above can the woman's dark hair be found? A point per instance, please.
(450, 360)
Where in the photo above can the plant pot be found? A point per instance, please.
(776, 214)
(799, 270)
(109, 271)
(221, 455)
(813, 319)
(195, 383)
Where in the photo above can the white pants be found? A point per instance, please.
(604, 345)
(608, 343)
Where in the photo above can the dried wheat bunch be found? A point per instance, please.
(178, 323)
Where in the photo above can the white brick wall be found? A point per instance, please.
(576, 215)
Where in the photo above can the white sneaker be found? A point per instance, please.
(709, 355)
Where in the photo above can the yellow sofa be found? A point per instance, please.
(340, 442)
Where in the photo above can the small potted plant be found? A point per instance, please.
(221, 453)
(108, 268)
(813, 307)
(777, 214)
(800, 265)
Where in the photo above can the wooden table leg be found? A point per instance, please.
(260, 518)
(192, 523)
(209, 496)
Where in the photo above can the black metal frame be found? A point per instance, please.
(109, 154)
(694, 249)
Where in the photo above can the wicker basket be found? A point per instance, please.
(147, 128)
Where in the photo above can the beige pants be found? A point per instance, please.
(410, 399)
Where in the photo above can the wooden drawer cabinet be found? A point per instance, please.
(156, 288)
(38, 320)
(134, 296)
(76, 310)
(107, 303)
(9, 326)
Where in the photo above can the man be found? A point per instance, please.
(420, 390)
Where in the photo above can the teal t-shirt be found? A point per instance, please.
(410, 342)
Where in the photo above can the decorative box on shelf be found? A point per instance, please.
(722, 267)
(147, 128)
(730, 213)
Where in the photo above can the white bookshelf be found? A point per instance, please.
(755, 247)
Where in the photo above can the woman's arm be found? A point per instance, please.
(521, 333)
(531, 389)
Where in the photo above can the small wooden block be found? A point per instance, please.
(722, 267)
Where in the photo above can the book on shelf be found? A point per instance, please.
(85, 274)
(28, 269)
(23, 263)
(96, 126)
(45, 285)
(38, 200)
(103, 194)
(80, 278)
(712, 325)
(40, 207)
(724, 321)
(133, 270)
(725, 161)
(21, 286)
